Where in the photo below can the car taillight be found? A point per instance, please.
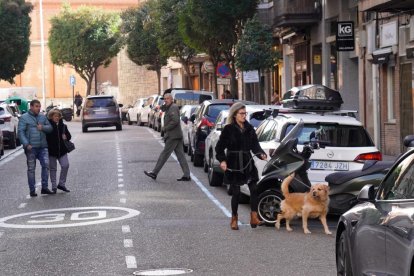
(85, 112)
(369, 156)
(205, 122)
(7, 119)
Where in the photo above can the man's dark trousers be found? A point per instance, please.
(171, 145)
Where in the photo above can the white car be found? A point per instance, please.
(186, 124)
(132, 115)
(256, 114)
(143, 114)
(9, 128)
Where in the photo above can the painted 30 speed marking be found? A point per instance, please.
(67, 217)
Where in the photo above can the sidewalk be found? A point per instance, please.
(388, 157)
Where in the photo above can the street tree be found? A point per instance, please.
(85, 39)
(254, 50)
(139, 28)
(170, 40)
(217, 22)
(14, 37)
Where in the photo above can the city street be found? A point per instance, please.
(117, 221)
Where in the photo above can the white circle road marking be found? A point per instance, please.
(58, 217)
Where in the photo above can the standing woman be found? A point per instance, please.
(239, 138)
(57, 150)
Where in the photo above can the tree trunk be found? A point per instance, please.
(159, 80)
(88, 86)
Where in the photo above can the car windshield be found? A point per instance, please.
(100, 102)
(214, 110)
(334, 135)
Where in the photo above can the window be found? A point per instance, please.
(213, 110)
(334, 135)
(400, 183)
(269, 132)
(260, 129)
(100, 102)
(390, 94)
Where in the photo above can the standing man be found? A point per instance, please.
(32, 130)
(173, 140)
(78, 103)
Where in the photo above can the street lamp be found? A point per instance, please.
(42, 51)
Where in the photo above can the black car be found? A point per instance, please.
(376, 237)
(203, 122)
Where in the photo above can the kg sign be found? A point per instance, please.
(345, 37)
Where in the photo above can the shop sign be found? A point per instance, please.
(345, 37)
(388, 34)
(251, 76)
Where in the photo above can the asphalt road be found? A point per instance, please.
(116, 221)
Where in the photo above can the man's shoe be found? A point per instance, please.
(184, 178)
(33, 194)
(54, 190)
(63, 188)
(46, 192)
(151, 174)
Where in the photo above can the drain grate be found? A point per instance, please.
(163, 271)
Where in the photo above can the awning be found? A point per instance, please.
(381, 56)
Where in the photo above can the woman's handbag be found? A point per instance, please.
(68, 144)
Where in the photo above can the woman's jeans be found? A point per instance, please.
(41, 154)
(64, 165)
(236, 197)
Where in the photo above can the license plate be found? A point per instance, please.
(329, 165)
(101, 112)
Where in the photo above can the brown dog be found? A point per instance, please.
(313, 204)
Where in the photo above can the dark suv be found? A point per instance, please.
(203, 122)
(101, 111)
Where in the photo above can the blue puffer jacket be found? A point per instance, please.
(28, 132)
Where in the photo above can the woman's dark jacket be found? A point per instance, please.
(239, 144)
(55, 143)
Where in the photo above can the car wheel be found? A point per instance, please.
(84, 129)
(269, 206)
(119, 127)
(215, 179)
(129, 120)
(139, 123)
(68, 118)
(343, 265)
(12, 141)
(198, 160)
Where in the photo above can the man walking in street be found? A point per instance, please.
(32, 130)
(173, 140)
(78, 103)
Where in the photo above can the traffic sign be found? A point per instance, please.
(222, 70)
(72, 80)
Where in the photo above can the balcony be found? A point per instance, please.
(296, 13)
(393, 6)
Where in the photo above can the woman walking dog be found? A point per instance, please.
(239, 138)
(58, 150)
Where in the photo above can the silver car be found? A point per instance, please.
(101, 111)
(376, 237)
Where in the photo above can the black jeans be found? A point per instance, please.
(236, 196)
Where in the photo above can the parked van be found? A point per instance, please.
(183, 97)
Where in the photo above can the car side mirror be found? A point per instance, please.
(192, 118)
(367, 193)
(120, 105)
(184, 119)
(219, 126)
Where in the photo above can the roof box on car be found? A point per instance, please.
(312, 97)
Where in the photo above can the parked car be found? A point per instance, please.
(203, 122)
(255, 115)
(156, 108)
(185, 114)
(132, 115)
(376, 237)
(101, 111)
(9, 128)
(144, 112)
(1, 140)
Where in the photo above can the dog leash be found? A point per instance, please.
(251, 159)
